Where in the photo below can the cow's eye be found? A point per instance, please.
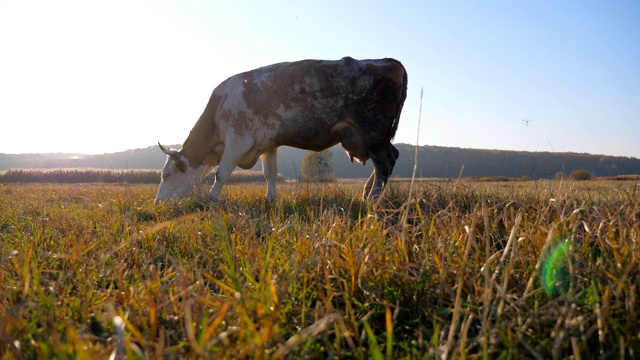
(180, 165)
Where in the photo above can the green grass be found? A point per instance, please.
(543, 269)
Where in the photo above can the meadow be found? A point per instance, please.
(535, 269)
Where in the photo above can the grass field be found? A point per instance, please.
(544, 269)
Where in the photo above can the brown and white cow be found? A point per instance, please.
(309, 104)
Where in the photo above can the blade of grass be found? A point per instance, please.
(374, 349)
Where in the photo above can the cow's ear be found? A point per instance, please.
(181, 165)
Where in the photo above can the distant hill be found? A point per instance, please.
(147, 158)
(433, 161)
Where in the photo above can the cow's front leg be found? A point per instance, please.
(270, 169)
(229, 161)
(222, 174)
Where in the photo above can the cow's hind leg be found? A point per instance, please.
(384, 159)
(356, 148)
(270, 169)
(368, 186)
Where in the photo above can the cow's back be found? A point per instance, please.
(299, 103)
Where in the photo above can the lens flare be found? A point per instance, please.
(555, 279)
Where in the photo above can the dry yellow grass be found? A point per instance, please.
(539, 269)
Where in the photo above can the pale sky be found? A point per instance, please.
(95, 77)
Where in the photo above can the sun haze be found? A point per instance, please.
(94, 77)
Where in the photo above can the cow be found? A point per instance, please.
(308, 104)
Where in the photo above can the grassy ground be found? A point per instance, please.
(461, 270)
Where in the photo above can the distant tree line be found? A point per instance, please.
(133, 176)
(80, 175)
(497, 165)
(433, 162)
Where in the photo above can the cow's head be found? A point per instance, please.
(178, 178)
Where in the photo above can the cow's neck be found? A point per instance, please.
(199, 147)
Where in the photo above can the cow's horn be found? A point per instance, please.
(167, 151)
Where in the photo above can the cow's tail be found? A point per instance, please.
(403, 96)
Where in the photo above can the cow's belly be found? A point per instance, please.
(248, 163)
(308, 133)
(314, 143)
